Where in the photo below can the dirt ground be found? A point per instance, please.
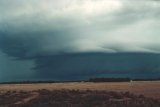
(147, 88)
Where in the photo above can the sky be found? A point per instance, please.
(79, 39)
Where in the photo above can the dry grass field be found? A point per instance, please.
(81, 94)
(147, 88)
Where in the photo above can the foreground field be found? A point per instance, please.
(81, 94)
(74, 98)
(147, 88)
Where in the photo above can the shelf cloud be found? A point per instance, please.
(36, 28)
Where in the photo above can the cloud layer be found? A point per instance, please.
(35, 29)
(89, 65)
(29, 28)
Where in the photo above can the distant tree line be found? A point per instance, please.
(28, 82)
(109, 80)
(120, 79)
(155, 79)
(103, 79)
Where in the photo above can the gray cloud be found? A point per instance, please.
(14, 70)
(87, 65)
(37, 30)
(41, 27)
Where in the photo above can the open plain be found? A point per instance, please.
(81, 94)
(146, 88)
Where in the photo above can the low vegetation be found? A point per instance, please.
(102, 79)
(109, 80)
(74, 98)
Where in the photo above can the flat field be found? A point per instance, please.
(147, 88)
(81, 94)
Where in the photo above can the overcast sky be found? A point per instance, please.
(32, 29)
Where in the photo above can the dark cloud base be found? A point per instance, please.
(87, 65)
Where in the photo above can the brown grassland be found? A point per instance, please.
(147, 88)
(81, 94)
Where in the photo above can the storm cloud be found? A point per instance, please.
(46, 32)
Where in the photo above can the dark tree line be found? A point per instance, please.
(109, 80)
(103, 79)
